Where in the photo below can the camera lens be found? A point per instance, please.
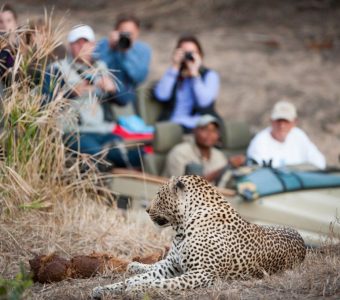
(188, 56)
(124, 41)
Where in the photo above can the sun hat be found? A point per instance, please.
(81, 32)
(284, 110)
(207, 119)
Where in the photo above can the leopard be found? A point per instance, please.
(211, 242)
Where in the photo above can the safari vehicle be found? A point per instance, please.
(313, 207)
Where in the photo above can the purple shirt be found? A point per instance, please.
(192, 90)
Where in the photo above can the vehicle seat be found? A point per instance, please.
(167, 135)
(148, 108)
(235, 137)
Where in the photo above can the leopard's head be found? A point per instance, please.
(178, 196)
(165, 209)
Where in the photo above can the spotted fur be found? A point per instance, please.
(212, 241)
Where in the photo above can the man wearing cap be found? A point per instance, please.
(86, 83)
(126, 56)
(199, 153)
(283, 143)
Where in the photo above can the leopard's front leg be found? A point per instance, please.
(165, 268)
(169, 264)
(141, 283)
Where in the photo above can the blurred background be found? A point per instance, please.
(263, 50)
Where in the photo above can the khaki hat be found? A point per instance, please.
(207, 119)
(284, 110)
(81, 32)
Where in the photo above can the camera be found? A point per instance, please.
(188, 56)
(124, 41)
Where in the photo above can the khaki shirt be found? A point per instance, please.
(188, 152)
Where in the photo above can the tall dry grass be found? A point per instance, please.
(33, 169)
(47, 192)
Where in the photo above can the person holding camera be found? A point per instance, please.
(86, 83)
(126, 57)
(187, 89)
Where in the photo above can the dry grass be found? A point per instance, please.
(70, 228)
(82, 226)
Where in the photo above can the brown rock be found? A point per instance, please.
(53, 268)
(84, 266)
(116, 264)
(35, 264)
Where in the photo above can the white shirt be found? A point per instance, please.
(296, 149)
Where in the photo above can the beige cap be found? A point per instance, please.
(284, 110)
(207, 119)
(81, 32)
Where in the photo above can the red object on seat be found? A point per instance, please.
(128, 135)
(148, 149)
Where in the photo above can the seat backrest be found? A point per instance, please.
(125, 110)
(167, 135)
(148, 108)
(235, 137)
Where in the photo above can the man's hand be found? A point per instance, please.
(113, 39)
(82, 88)
(237, 160)
(177, 58)
(194, 66)
(106, 84)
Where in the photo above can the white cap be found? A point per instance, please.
(81, 32)
(207, 119)
(284, 110)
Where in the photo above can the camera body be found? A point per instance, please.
(188, 56)
(124, 41)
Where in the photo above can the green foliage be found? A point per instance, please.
(13, 289)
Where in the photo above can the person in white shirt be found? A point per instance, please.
(283, 143)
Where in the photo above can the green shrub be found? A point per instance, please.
(13, 289)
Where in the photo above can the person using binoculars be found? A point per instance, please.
(126, 57)
(188, 90)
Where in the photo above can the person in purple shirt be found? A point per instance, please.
(187, 89)
(127, 57)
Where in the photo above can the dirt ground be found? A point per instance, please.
(263, 51)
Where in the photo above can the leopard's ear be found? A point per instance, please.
(176, 185)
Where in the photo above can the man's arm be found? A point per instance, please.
(206, 89)
(314, 156)
(136, 62)
(165, 86)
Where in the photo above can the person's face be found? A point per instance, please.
(7, 21)
(281, 128)
(131, 28)
(190, 47)
(81, 50)
(207, 136)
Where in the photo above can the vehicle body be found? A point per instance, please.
(315, 213)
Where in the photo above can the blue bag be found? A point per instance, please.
(269, 181)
